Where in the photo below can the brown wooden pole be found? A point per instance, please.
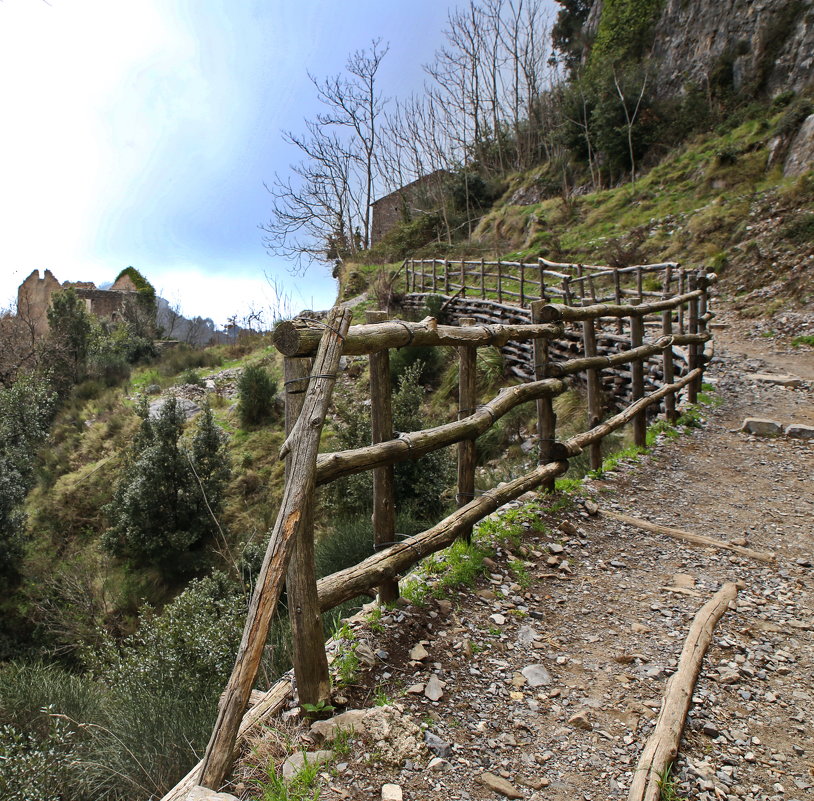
(542, 281)
(692, 312)
(667, 358)
(463, 278)
(682, 283)
(381, 419)
(499, 282)
(467, 397)
(637, 382)
(639, 285)
(522, 284)
(446, 277)
(581, 286)
(594, 391)
(662, 746)
(307, 636)
(617, 293)
(703, 307)
(302, 443)
(546, 418)
(434, 276)
(482, 281)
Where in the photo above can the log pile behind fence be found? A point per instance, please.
(633, 342)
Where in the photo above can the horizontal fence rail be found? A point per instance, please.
(630, 357)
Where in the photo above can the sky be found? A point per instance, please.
(140, 132)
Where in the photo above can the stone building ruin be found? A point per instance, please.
(35, 293)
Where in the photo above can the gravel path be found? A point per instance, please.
(552, 688)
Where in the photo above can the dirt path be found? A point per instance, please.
(552, 686)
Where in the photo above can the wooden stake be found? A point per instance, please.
(695, 386)
(594, 385)
(302, 443)
(617, 294)
(467, 394)
(637, 382)
(381, 419)
(499, 282)
(446, 277)
(688, 536)
(482, 283)
(546, 418)
(522, 284)
(463, 278)
(667, 358)
(307, 636)
(661, 748)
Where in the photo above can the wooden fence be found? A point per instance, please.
(309, 384)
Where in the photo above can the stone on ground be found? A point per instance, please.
(391, 792)
(761, 427)
(499, 785)
(799, 431)
(296, 762)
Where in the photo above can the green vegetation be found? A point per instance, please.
(806, 339)
(256, 391)
(168, 496)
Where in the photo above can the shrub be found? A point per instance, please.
(800, 229)
(191, 377)
(165, 499)
(793, 117)
(256, 394)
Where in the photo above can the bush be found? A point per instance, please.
(184, 357)
(164, 502)
(793, 117)
(191, 377)
(257, 391)
(800, 229)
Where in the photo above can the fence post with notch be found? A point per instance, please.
(381, 423)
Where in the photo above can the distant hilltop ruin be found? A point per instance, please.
(34, 298)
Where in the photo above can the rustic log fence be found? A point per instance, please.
(308, 393)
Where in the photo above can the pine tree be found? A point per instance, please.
(168, 493)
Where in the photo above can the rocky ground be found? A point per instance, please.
(543, 680)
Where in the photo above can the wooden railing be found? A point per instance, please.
(308, 392)
(521, 283)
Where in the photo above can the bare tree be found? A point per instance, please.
(630, 119)
(322, 209)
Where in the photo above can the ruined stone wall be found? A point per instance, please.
(34, 298)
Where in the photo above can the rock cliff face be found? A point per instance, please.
(756, 46)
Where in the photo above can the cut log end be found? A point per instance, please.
(286, 338)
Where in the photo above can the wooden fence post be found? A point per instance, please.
(302, 444)
(639, 284)
(667, 358)
(682, 284)
(482, 282)
(307, 636)
(381, 420)
(467, 395)
(637, 381)
(522, 284)
(546, 419)
(434, 276)
(499, 281)
(446, 277)
(594, 391)
(542, 280)
(692, 312)
(617, 294)
(463, 278)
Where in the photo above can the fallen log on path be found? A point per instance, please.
(661, 748)
(688, 536)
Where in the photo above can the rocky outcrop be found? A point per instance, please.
(801, 152)
(757, 45)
